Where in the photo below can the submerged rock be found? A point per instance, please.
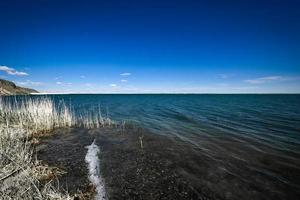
(160, 168)
(129, 171)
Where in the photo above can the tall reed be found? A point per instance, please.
(21, 119)
(43, 114)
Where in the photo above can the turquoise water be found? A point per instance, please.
(251, 143)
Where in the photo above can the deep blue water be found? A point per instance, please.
(266, 120)
(241, 133)
(254, 138)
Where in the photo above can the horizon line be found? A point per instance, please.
(84, 93)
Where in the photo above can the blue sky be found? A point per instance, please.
(143, 46)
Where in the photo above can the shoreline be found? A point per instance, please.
(22, 124)
(130, 171)
(140, 161)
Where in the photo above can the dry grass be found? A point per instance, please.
(43, 114)
(21, 176)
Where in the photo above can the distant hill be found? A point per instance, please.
(9, 88)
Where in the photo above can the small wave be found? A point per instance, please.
(93, 161)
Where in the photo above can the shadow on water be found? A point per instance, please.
(161, 168)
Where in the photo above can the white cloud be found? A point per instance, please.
(225, 76)
(29, 82)
(123, 81)
(113, 85)
(269, 79)
(63, 83)
(223, 84)
(12, 71)
(57, 78)
(125, 74)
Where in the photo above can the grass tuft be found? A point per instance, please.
(22, 177)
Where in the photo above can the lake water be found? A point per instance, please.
(256, 121)
(228, 146)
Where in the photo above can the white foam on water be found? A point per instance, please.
(93, 162)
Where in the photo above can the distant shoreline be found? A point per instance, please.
(164, 93)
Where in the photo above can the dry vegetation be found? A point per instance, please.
(22, 176)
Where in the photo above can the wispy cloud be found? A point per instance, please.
(269, 79)
(29, 82)
(88, 85)
(12, 71)
(57, 78)
(225, 76)
(223, 84)
(113, 85)
(82, 76)
(123, 80)
(63, 83)
(125, 74)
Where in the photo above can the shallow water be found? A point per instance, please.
(225, 146)
(128, 170)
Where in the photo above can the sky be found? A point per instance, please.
(148, 46)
